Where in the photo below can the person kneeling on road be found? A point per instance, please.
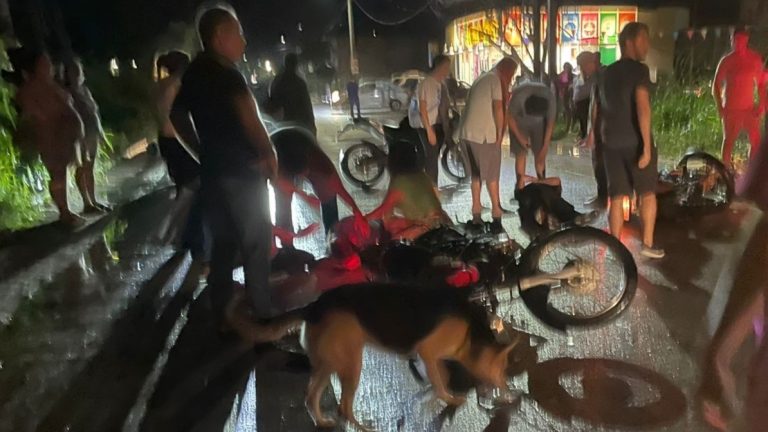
(299, 155)
(412, 194)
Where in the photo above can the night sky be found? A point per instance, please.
(127, 28)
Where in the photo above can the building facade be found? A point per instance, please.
(477, 41)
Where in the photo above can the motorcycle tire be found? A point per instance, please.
(454, 163)
(610, 268)
(717, 168)
(375, 157)
(395, 105)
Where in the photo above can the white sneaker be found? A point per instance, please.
(652, 252)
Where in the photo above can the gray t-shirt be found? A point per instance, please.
(618, 107)
(532, 104)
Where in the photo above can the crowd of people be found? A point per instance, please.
(221, 157)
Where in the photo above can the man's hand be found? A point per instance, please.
(431, 137)
(645, 159)
(589, 141)
(524, 141)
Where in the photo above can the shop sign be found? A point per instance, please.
(589, 33)
(608, 28)
(570, 27)
(626, 18)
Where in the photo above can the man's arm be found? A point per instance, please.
(498, 118)
(643, 101)
(342, 193)
(717, 87)
(594, 112)
(551, 119)
(762, 86)
(248, 114)
(185, 129)
(387, 206)
(514, 129)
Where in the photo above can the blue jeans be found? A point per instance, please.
(237, 209)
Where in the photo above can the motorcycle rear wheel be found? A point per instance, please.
(363, 164)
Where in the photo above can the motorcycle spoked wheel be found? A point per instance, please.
(454, 163)
(363, 164)
(603, 290)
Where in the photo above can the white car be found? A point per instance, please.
(382, 94)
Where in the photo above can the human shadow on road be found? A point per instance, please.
(606, 392)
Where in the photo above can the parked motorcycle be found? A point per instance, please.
(365, 163)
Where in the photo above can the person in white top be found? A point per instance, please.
(482, 130)
(423, 114)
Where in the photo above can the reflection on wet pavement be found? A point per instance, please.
(115, 333)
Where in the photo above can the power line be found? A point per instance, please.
(403, 15)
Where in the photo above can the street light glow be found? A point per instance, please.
(268, 66)
(282, 39)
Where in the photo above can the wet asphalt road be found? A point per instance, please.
(117, 336)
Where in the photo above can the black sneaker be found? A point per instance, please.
(496, 226)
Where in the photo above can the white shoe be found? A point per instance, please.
(652, 252)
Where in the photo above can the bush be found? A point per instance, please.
(685, 116)
(23, 187)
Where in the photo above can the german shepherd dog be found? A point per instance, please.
(436, 323)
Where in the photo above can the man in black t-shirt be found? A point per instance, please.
(216, 118)
(624, 106)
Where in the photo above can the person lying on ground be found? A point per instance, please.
(299, 155)
(541, 206)
(411, 206)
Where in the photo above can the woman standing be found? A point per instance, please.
(86, 107)
(47, 121)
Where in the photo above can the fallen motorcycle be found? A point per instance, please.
(577, 276)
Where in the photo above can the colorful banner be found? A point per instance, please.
(589, 30)
(570, 27)
(626, 18)
(527, 27)
(609, 28)
(511, 32)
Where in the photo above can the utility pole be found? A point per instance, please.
(552, 32)
(353, 66)
(537, 48)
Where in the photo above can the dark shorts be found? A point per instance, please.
(535, 134)
(625, 177)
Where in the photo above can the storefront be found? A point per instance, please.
(479, 40)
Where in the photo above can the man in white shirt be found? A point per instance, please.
(482, 130)
(423, 114)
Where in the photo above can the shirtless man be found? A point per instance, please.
(741, 71)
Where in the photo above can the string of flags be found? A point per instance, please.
(718, 32)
